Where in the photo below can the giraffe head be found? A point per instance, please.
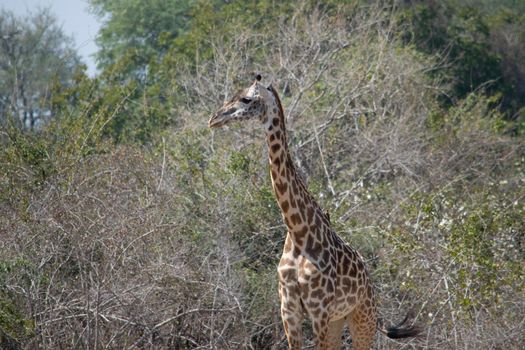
(250, 103)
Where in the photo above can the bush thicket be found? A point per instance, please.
(127, 223)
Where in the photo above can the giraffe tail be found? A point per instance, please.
(400, 330)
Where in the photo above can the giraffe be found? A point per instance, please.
(320, 276)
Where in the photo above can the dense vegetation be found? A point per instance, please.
(126, 223)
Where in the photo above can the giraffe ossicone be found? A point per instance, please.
(320, 275)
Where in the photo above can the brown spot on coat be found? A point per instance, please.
(282, 187)
(310, 214)
(294, 187)
(316, 281)
(295, 219)
(318, 294)
(309, 244)
(302, 232)
(301, 210)
(329, 286)
(353, 286)
(277, 162)
(326, 256)
(313, 304)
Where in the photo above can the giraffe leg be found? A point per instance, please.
(292, 323)
(292, 316)
(335, 330)
(322, 338)
(363, 324)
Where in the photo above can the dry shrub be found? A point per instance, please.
(175, 247)
(109, 262)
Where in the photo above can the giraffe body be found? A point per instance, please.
(319, 274)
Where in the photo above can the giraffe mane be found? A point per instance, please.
(278, 100)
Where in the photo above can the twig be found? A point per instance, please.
(163, 163)
(330, 186)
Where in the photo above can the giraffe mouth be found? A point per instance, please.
(216, 121)
(221, 117)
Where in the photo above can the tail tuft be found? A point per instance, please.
(402, 332)
(399, 331)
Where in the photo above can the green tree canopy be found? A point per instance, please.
(142, 29)
(480, 42)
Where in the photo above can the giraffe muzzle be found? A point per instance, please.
(216, 121)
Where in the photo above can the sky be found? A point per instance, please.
(75, 19)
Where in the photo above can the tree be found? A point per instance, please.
(34, 53)
(142, 29)
(481, 42)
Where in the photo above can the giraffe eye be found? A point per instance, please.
(245, 100)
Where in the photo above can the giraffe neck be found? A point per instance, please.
(300, 212)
